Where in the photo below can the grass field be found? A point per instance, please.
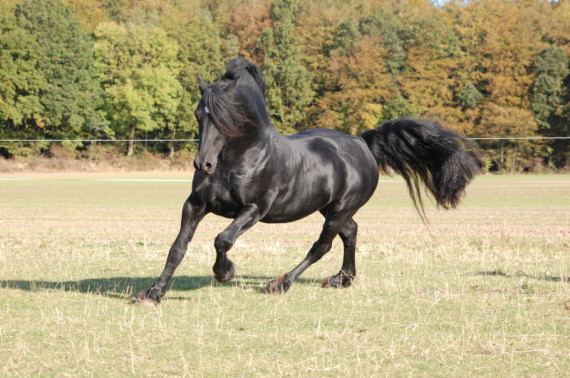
(485, 291)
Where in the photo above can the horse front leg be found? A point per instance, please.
(192, 214)
(244, 220)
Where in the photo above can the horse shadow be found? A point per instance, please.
(127, 287)
(539, 277)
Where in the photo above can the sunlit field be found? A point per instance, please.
(484, 290)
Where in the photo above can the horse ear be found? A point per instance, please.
(202, 85)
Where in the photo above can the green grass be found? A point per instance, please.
(484, 291)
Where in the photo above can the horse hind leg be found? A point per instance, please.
(347, 272)
(332, 227)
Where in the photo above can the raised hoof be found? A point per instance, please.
(280, 285)
(228, 273)
(338, 281)
(145, 298)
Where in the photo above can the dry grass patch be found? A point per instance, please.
(485, 291)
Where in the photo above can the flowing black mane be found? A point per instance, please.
(237, 67)
(227, 111)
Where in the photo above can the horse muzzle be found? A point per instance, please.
(205, 167)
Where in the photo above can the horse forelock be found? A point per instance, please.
(230, 99)
(227, 115)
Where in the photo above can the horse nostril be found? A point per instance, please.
(205, 167)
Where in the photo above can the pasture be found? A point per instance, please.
(484, 291)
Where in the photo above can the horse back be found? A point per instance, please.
(322, 167)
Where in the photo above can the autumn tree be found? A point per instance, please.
(494, 77)
(428, 80)
(249, 19)
(356, 99)
(356, 73)
(90, 13)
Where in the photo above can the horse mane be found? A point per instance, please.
(237, 66)
(228, 115)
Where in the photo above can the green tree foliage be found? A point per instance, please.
(200, 51)
(71, 92)
(288, 82)
(20, 84)
(115, 9)
(468, 96)
(548, 90)
(138, 69)
(550, 98)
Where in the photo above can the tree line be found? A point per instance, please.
(125, 69)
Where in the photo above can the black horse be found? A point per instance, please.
(247, 171)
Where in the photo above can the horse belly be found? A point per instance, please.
(297, 203)
(281, 215)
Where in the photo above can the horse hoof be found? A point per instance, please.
(143, 299)
(279, 285)
(227, 275)
(147, 302)
(225, 278)
(338, 281)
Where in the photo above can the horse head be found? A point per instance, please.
(231, 108)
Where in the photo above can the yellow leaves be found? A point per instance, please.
(509, 90)
(503, 121)
(369, 116)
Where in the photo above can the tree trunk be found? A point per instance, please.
(171, 145)
(502, 157)
(131, 147)
(514, 168)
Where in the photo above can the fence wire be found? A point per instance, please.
(99, 140)
(197, 140)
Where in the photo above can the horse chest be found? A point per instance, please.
(233, 192)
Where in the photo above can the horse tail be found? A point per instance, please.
(425, 152)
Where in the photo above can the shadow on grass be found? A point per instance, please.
(540, 277)
(127, 287)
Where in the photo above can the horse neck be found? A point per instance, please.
(262, 137)
(261, 141)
